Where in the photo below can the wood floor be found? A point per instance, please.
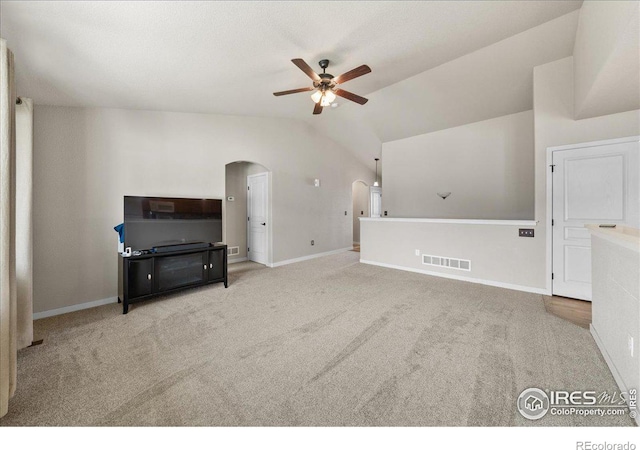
(356, 248)
(575, 311)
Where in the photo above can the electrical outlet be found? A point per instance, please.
(313, 242)
(630, 343)
(417, 252)
(345, 213)
(525, 232)
(385, 213)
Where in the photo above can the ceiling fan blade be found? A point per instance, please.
(306, 69)
(293, 91)
(350, 96)
(354, 73)
(317, 109)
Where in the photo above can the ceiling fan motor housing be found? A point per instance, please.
(326, 81)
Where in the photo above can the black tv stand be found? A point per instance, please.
(179, 247)
(149, 275)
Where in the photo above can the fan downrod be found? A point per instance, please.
(324, 76)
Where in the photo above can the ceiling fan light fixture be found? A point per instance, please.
(329, 95)
(323, 96)
(316, 96)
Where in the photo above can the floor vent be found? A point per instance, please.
(233, 251)
(443, 261)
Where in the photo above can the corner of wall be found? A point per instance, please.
(606, 59)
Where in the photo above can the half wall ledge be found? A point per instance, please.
(518, 223)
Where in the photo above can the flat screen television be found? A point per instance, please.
(156, 221)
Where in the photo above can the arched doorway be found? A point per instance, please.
(247, 237)
(360, 201)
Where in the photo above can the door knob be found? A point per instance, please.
(263, 223)
(148, 276)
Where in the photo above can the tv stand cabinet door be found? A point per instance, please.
(176, 271)
(140, 277)
(217, 264)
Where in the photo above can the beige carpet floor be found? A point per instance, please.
(328, 341)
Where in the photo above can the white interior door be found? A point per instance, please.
(591, 185)
(257, 217)
(376, 201)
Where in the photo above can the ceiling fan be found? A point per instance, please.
(325, 84)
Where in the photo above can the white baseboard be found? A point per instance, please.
(612, 367)
(106, 301)
(236, 260)
(72, 308)
(515, 287)
(305, 258)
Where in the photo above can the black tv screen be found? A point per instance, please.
(155, 221)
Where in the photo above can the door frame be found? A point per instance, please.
(549, 195)
(353, 212)
(269, 260)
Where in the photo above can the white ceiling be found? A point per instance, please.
(228, 57)
(491, 82)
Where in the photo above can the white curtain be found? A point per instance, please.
(24, 221)
(8, 285)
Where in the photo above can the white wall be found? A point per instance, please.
(86, 160)
(360, 198)
(498, 256)
(616, 304)
(553, 106)
(519, 261)
(487, 166)
(607, 58)
(235, 217)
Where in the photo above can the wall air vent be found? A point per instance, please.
(233, 251)
(450, 263)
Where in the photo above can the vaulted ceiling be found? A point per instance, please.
(434, 64)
